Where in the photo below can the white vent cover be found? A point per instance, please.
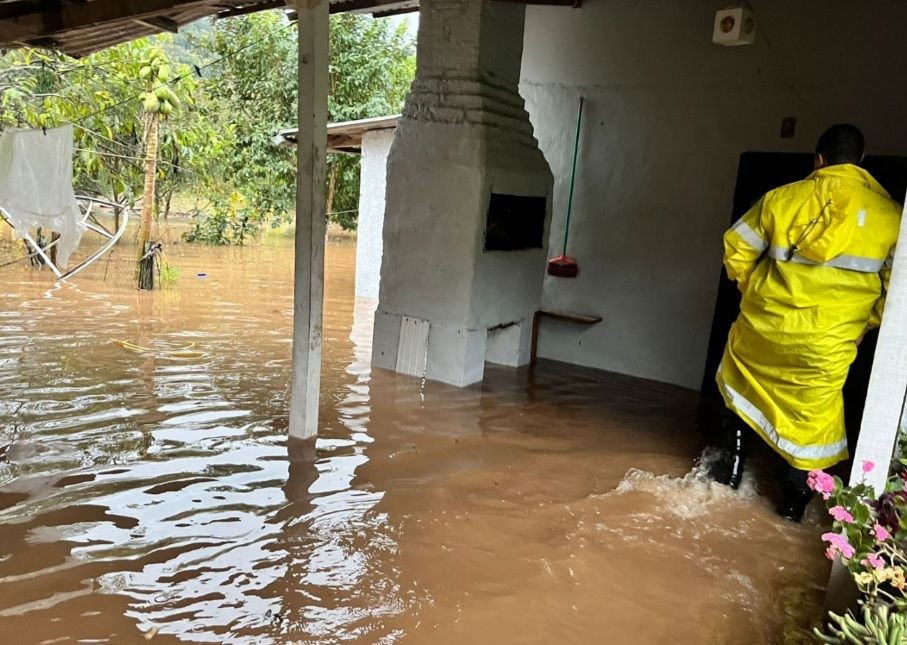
(735, 26)
(412, 351)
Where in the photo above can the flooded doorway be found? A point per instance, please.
(153, 493)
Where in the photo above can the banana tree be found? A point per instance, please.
(159, 102)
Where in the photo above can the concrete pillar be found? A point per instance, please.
(464, 136)
(308, 289)
(376, 145)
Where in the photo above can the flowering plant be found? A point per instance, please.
(869, 534)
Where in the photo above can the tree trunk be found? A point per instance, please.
(117, 211)
(332, 185)
(146, 259)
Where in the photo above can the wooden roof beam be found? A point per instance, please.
(48, 22)
(251, 8)
(576, 4)
(345, 142)
(396, 12)
(160, 23)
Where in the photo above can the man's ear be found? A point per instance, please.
(819, 161)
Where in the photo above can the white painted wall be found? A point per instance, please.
(668, 115)
(376, 145)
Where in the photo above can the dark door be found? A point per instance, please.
(757, 173)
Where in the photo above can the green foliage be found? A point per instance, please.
(102, 95)
(372, 66)
(343, 209)
(220, 143)
(169, 274)
(870, 537)
(230, 222)
(878, 625)
(248, 96)
(49, 90)
(252, 95)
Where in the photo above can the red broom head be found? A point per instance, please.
(563, 266)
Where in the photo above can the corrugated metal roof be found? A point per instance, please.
(80, 27)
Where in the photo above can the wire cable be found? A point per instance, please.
(132, 158)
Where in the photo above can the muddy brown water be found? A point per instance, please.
(151, 495)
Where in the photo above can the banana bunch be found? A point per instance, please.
(162, 100)
(880, 626)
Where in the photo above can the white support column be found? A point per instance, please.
(308, 290)
(888, 383)
(884, 405)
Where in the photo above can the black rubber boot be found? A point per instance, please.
(795, 495)
(727, 468)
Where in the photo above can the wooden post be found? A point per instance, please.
(884, 406)
(54, 237)
(308, 290)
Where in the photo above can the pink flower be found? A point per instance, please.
(838, 544)
(868, 466)
(875, 561)
(841, 514)
(821, 482)
(880, 532)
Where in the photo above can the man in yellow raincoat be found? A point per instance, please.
(812, 261)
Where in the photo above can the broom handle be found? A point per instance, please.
(579, 123)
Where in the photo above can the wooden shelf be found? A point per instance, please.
(568, 316)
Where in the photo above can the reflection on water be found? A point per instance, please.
(148, 491)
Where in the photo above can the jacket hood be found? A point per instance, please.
(833, 212)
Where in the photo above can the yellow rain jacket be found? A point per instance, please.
(812, 260)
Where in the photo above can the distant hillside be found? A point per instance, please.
(182, 49)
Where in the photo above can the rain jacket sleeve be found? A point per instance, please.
(875, 318)
(745, 243)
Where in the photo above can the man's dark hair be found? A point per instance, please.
(842, 143)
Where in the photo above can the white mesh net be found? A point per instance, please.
(36, 185)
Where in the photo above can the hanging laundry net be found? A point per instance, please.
(36, 185)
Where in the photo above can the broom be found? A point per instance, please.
(563, 266)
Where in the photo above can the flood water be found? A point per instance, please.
(152, 494)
